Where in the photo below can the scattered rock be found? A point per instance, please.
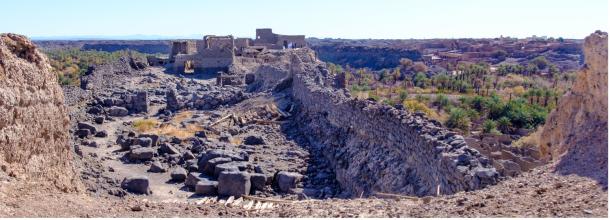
(136, 208)
(187, 155)
(101, 134)
(206, 188)
(83, 133)
(254, 140)
(178, 174)
(87, 126)
(117, 111)
(141, 153)
(200, 134)
(144, 141)
(211, 164)
(139, 185)
(232, 183)
(99, 119)
(258, 181)
(157, 167)
(167, 148)
(225, 137)
(192, 179)
(287, 180)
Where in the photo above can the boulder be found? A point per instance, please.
(141, 153)
(138, 185)
(230, 166)
(486, 176)
(510, 168)
(144, 141)
(99, 119)
(157, 167)
(231, 183)
(192, 178)
(153, 137)
(206, 188)
(258, 181)
(254, 140)
(178, 174)
(211, 164)
(94, 110)
(83, 133)
(117, 111)
(171, 100)
(200, 134)
(287, 180)
(124, 141)
(225, 137)
(191, 165)
(187, 155)
(140, 102)
(167, 148)
(101, 134)
(85, 125)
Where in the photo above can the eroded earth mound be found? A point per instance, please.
(576, 133)
(33, 119)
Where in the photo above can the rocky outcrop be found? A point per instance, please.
(575, 135)
(379, 148)
(33, 119)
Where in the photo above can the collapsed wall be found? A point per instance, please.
(378, 148)
(575, 135)
(33, 119)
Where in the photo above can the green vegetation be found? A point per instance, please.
(472, 96)
(458, 118)
(490, 127)
(71, 63)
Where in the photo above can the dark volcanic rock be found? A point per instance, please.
(234, 184)
(139, 185)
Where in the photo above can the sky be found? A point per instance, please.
(353, 19)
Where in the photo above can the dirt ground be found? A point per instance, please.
(534, 194)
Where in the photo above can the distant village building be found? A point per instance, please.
(216, 53)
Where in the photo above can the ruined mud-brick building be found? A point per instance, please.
(216, 53)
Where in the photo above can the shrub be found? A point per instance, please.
(441, 100)
(504, 124)
(403, 95)
(145, 125)
(459, 119)
(489, 126)
(414, 105)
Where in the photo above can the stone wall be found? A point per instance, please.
(378, 148)
(33, 119)
(291, 41)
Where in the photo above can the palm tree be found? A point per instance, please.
(538, 93)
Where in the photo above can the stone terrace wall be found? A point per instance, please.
(378, 148)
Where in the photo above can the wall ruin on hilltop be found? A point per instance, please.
(217, 53)
(33, 119)
(378, 148)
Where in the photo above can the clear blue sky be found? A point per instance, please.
(316, 18)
